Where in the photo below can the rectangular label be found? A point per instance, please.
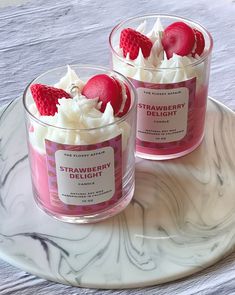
(162, 114)
(85, 177)
(163, 111)
(85, 174)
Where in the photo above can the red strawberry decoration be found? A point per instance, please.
(107, 89)
(181, 39)
(178, 38)
(200, 42)
(131, 41)
(46, 98)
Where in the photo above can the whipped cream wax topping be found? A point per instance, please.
(76, 113)
(173, 70)
(69, 80)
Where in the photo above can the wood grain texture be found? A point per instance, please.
(40, 35)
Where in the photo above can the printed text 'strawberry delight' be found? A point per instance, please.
(167, 58)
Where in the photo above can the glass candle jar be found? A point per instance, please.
(172, 92)
(81, 175)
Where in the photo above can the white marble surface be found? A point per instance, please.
(39, 35)
(173, 227)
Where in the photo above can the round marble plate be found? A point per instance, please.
(181, 220)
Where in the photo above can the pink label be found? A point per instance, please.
(163, 111)
(84, 175)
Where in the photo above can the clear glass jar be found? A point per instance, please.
(81, 175)
(171, 100)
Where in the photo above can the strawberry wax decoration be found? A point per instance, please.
(200, 42)
(132, 41)
(108, 89)
(46, 98)
(181, 39)
(178, 38)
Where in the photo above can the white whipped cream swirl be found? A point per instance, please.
(157, 68)
(76, 114)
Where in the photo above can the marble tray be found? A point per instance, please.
(181, 220)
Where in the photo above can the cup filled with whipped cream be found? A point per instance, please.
(81, 127)
(167, 59)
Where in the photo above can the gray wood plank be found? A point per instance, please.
(39, 35)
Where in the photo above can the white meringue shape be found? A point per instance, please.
(69, 80)
(156, 31)
(141, 28)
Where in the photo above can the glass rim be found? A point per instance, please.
(155, 15)
(83, 66)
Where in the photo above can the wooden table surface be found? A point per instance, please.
(39, 35)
